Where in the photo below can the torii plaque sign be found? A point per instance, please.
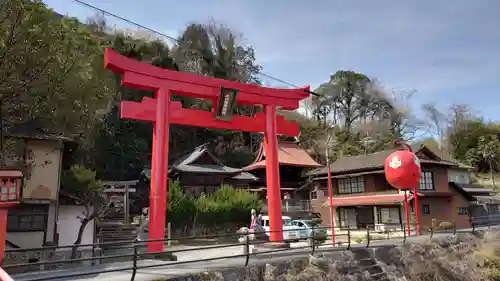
(162, 111)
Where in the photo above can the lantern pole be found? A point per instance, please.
(330, 196)
(415, 197)
(417, 211)
(407, 213)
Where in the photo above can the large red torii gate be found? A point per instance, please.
(163, 112)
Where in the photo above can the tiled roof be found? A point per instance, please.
(474, 189)
(31, 130)
(376, 160)
(187, 164)
(477, 193)
(289, 154)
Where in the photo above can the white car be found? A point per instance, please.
(290, 231)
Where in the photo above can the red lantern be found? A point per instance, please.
(402, 169)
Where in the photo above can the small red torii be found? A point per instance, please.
(162, 111)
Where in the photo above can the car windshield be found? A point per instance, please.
(310, 223)
(287, 222)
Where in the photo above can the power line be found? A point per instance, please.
(125, 20)
(173, 38)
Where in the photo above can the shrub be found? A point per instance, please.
(445, 225)
(181, 208)
(225, 207)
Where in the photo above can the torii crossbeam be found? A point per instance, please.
(163, 112)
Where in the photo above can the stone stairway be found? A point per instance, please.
(368, 263)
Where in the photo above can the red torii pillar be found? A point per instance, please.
(163, 112)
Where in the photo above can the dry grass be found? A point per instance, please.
(450, 259)
(463, 257)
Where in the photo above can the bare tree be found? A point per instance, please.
(446, 123)
(438, 121)
(392, 119)
(402, 121)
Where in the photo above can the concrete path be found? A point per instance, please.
(190, 261)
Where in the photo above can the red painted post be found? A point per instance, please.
(330, 196)
(272, 175)
(159, 182)
(3, 232)
(151, 184)
(407, 213)
(417, 210)
(330, 193)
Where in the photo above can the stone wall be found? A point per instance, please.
(451, 258)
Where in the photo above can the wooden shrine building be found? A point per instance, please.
(201, 172)
(293, 163)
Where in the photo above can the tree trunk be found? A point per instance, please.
(193, 233)
(492, 173)
(78, 240)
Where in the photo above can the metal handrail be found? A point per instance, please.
(368, 238)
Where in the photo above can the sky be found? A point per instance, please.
(448, 51)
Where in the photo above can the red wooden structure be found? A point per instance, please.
(163, 112)
(10, 187)
(402, 171)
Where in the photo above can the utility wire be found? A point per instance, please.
(174, 39)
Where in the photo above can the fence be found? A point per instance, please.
(250, 251)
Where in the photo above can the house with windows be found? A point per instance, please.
(363, 198)
(39, 160)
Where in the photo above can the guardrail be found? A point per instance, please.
(317, 240)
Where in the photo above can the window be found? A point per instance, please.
(313, 195)
(8, 191)
(461, 179)
(492, 208)
(426, 209)
(389, 215)
(426, 181)
(462, 210)
(351, 185)
(27, 218)
(347, 217)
